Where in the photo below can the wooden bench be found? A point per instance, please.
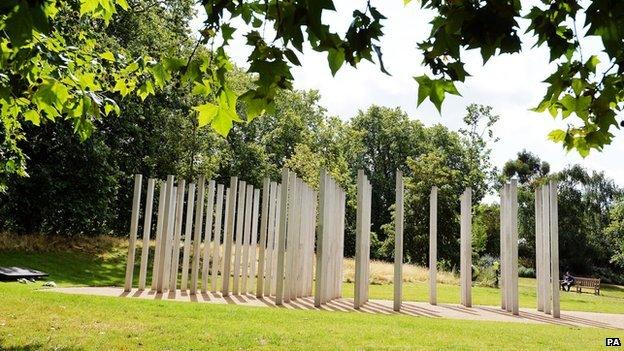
(587, 283)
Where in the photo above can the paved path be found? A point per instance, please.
(422, 309)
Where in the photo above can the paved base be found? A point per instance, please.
(422, 309)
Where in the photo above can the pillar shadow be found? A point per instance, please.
(329, 307)
(459, 309)
(422, 310)
(372, 307)
(371, 310)
(545, 319)
(529, 316)
(414, 313)
(266, 302)
(344, 304)
(588, 322)
(229, 300)
(294, 305)
(379, 306)
(306, 303)
(239, 298)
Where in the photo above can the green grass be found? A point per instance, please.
(33, 320)
(108, 269)
(610, 300)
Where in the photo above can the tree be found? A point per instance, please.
(577, 87)
(156, 136)
(52, 69)
(527, 167)
(585, 203)
(37, 56)
(615, 233)
(486, 230)
(386, 138)
(478, 138)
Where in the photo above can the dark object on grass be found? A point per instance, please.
(15, 273)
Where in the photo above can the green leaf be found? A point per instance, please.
(592, 63)
(435, 90)
(223, 122)
(336, 59)
(227, 100)
(292, 57)
(581, 146)
(145, 90)
(32, 116)
(557, 135)
(50, 98)
(206, 113)
(227, 32)
(202, 88)
(578, 85)
(161, 75)
(221, 117)
(88, 6)
(424, 88)
(254, 108)
(579, 105)
(87, 82)
(19, 24)
(123, 87)
(123, 4)
(108, 56)
(111, 106)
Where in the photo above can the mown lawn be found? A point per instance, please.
(108, 269)
(33, 320)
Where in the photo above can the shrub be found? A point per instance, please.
(526, 272)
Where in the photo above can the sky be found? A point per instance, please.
(511, 84)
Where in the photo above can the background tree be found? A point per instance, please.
(585, 202)
(527, 167)
(49, 72)
(615, 233)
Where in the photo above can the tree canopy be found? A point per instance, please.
(53, 67)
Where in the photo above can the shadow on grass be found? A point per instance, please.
(36, 346)
(72, 268)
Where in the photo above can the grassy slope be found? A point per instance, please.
(35, 320)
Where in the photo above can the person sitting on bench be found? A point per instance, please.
(568, 281)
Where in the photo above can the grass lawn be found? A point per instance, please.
(108, 269)
(32, 320)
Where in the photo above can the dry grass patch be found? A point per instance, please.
(383, 273)
(31, 243)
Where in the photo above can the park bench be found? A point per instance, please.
(587, 283)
